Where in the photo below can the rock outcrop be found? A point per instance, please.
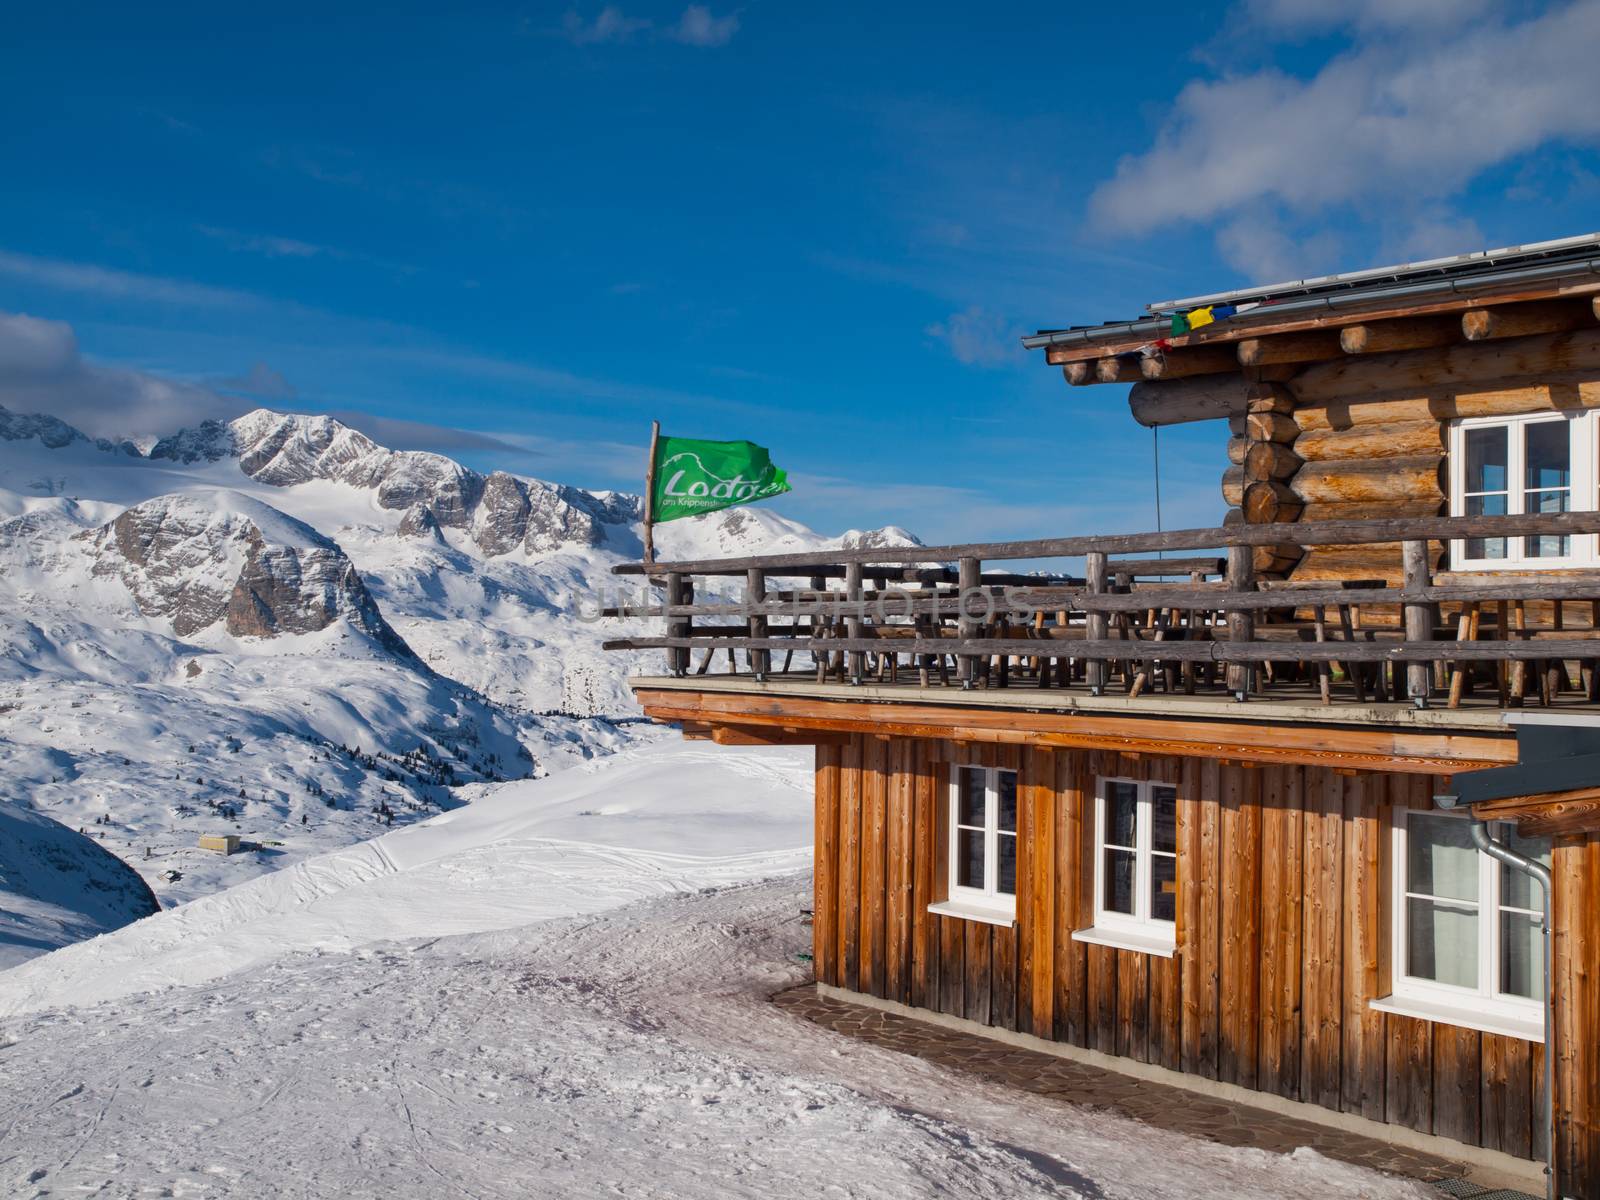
(198, 560)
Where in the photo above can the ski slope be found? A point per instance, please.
(654, 820)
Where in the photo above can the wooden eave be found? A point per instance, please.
(768, 717)
(1236, 330)
(1554, 814)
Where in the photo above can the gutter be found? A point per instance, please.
(1553, 754)
(1541, 874)
(1336, 302)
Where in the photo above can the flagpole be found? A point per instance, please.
(650, 495)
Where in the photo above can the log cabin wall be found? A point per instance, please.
(1373, 454)
(1272, 975)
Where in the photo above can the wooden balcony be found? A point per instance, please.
(1166, 623)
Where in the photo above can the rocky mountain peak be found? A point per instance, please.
(54, 433)
(206, 442)
(220, 557)
(878, 539)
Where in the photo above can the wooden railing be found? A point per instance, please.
(933, 616)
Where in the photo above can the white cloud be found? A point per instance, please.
(41, 371)
(610, 24)
(1256, 244)
(1394, 122)
(1314, 15)
(977, 337)
(122, 285)
(697, 27)
(267, 244)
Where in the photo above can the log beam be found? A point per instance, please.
(1196, 360)
(1180, 401)
(1410, 478)
(1270, 500)
(1268, 397)
(1405, 333)
(1269, 460)
(1400, 438)
(1525, 320)
(1117, 370)
(1271, 427)
(1503, 363)
(1316, 346)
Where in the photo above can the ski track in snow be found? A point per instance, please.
(625, 1053)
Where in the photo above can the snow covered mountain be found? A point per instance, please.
(59, 887)
(276, 627)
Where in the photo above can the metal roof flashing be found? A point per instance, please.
(1461, 275)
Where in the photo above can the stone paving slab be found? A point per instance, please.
(1078, 1083)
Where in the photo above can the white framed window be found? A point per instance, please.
(1533, 463)
(1467, 948)
(982, 853)
(1135, 866)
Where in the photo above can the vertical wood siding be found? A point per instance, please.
(1271, 981)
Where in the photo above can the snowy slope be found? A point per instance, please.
(277, 628)
(59, 887)
(608, 1035)
(664, 818)
(203, 664)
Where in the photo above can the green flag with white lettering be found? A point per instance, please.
(692, 477)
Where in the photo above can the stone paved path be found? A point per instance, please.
(1079, 1083)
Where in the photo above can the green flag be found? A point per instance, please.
(692, 477)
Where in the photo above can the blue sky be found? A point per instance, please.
(531, 229)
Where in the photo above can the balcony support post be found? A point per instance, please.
(969, 577)
(755, 592)
(854, 626)
(1241, 623)
(1418, 617)
(1094, 575)
(679, 591)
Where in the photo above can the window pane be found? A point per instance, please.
(1441, 943)
(1118, 895)
(1006, 786)
(1486, 460)
(1122, 808)
(1440, 857)
(1163, 887)
(969, 858)
(1549, 454)
(1008, 865)
(1164, 818)
(970, 796)
(1549, 545)
(1521, 956)
(1517, 890)
(1486, 506)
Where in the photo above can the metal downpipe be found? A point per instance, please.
(1541, 873)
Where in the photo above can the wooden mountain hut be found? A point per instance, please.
(1301, 810)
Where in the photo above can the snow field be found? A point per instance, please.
(626, 1053)
(663, 818)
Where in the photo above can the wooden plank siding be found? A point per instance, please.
(1282, 936)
